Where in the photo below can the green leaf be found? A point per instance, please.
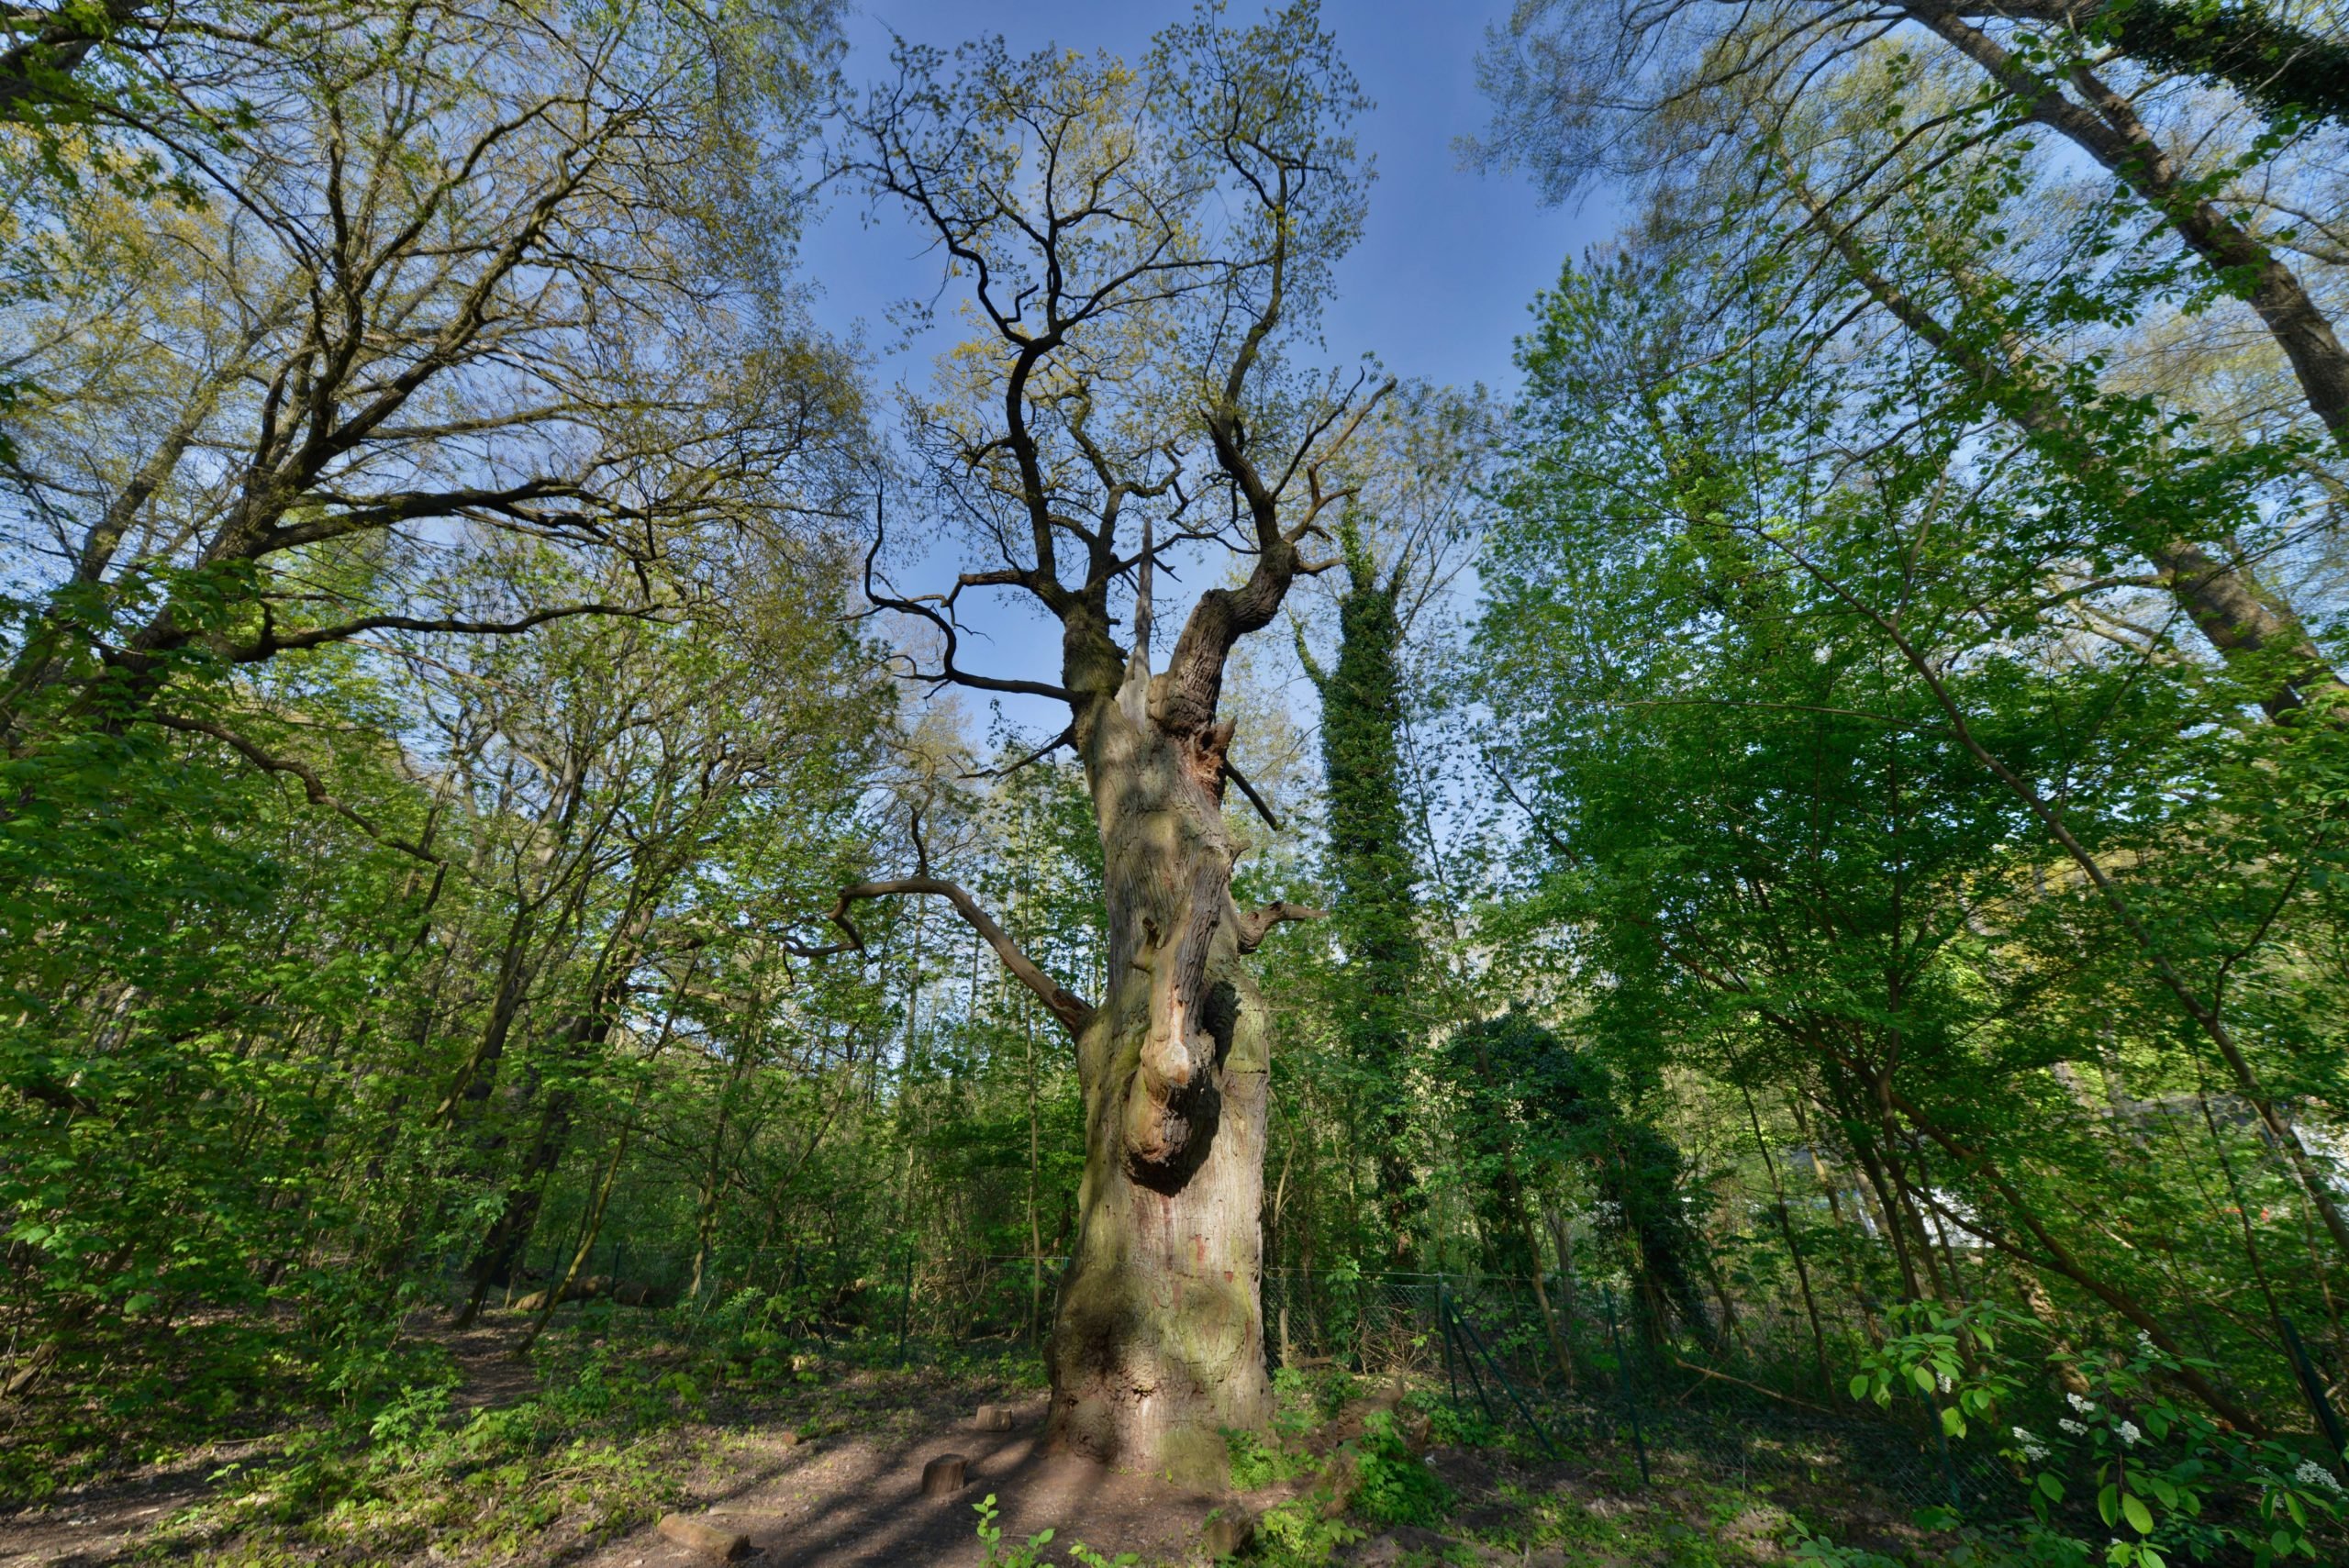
(2051, 1486)
(1860, 1385)
(2141, 1517)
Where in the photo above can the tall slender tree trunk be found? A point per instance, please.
(1794, 1248)
(1563, 1326)
(500, 1252)
(1035, 1162)
(708, 1201)
(599, 1201)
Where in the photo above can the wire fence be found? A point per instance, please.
(1593, 1373)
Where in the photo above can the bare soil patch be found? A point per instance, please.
(855, 1498)
(82, 1527)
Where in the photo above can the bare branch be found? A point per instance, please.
(940, 615)
(1066, 737)
(1074, 1012)
(312, 785)
(1263, 810)
(272, 641)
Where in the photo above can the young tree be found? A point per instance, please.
(1867, 809)
(1141, 244)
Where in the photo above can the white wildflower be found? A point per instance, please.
(2071, 1426)
(2032, 1449)
(2085, 1407)
(2313, 1475)
(2144, 1341)
(2129, 1434)
(1944, 1379)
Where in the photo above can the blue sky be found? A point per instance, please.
(1438, 288)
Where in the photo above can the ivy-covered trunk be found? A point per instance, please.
(1380, 1012)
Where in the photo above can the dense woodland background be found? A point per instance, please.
(1834, 807)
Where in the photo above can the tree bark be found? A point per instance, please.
(1159, 1342)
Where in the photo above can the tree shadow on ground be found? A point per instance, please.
(856, 1500)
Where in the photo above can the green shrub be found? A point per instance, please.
(1297, 1535)
(1029, 1553)
(1396, 1487)
(1256, 1463)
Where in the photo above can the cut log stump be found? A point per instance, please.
(942, 1476)
(993, 1418)
(724, 1545)
(1229, 1534)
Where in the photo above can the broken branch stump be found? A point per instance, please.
(993, 1418)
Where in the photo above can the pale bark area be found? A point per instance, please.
(1157, 1346)
(1159, 1343)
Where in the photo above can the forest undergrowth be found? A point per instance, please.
(454, 1447)
(451, 1448)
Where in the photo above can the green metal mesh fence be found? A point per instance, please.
(1592, 1372)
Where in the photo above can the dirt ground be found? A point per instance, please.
(856, 1500)
(852, 1499)
(839, 1501)
(94, 1525)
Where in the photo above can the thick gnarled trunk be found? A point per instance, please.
(1158, 1346)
